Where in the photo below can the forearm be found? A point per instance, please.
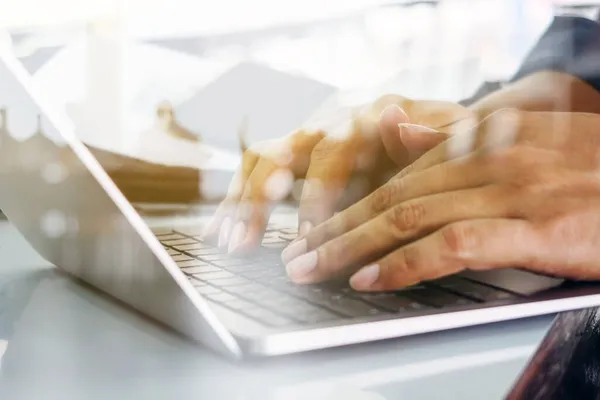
(542, 91)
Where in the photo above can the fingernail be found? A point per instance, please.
(295, 249)
(365, 278)
(225, 232)
(237, 236)
(417, 129)
(393, 112)
(299, 267)
(305, 227)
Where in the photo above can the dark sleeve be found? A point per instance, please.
(571, 45)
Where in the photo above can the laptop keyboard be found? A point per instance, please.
(257, 286)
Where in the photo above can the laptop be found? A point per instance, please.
(63, 202)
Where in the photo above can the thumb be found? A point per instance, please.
(389, 120)
(419, 139)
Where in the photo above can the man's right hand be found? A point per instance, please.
(328, 164)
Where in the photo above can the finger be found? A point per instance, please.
(268, 184)
(291, 152)
(390, 230)
(436, 114)
(331, 165)
(472, 244)
(498, 130)
(221, 222)
(418, 139)
(391, 116)
(446, 177)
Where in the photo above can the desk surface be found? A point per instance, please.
(63, 340)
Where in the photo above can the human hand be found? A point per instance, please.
(521, 189)
(335, 161)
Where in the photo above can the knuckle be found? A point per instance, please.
(404, 268)
(515, 158)
(504, 114)
(409, 169)
(388, 99)
(385, 197)
(405, 218)
(323, 150)
(411, 259)
(459, 239)
(502, 128)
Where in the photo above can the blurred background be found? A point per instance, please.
(126, 72)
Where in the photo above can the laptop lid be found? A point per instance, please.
(63, 202)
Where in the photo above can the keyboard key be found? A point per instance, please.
(315, 316)
(230, 262)
(181, 257)
(347, 306)
(233, 281)
(271, 239)
(200, 269)
(288, 237)
(169, 237)
(191, 263)
(265, 316)
(282, 282)
(172, 252)
(254, 275)
(208, 276)
(279, 245)
(211, 257)
(474, 290)
(239, 304)
(193, 246)
(258, 266)
(161, 231)
(264, 294)
(177, 242)
(221, 297)
(393, 302)
(437, 298)
(203, 252)
(191, 230)
(207, 290)
(244, 288)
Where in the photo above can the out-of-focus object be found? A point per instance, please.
(267, 103)
(582, 8)
(565, 365)
(168, 122)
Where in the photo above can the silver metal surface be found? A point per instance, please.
(82, 223)
(352, 333)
